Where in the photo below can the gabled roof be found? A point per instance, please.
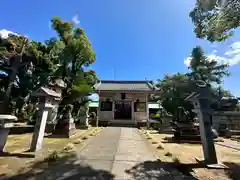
(57, 83)
(43, 91)
(110, 85)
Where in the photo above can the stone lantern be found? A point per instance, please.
(46, 99)
(200, 99)
(6, 122)
(56, 85)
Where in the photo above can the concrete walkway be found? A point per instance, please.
(121, 153)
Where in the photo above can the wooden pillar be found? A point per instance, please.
(147, 110)
(132, 109)
(113, 108)
(98, 109)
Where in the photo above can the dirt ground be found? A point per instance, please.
(16, 153)
(185, 154)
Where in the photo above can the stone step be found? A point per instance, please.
(122, 123)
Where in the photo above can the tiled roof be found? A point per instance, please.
(58, 83)
(46, 91)
(124, 86)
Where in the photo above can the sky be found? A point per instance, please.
(137, 39)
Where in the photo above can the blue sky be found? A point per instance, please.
(138, 38)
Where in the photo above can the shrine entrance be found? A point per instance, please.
(123, 110)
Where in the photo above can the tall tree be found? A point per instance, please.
(34, 68)
(75, 57)
(202, 68)
(65, 57)
(173, 90)
(215, 20)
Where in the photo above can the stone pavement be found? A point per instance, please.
(122, 153)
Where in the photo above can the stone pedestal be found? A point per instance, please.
(84, 120)
(66, 125)
(6, 122)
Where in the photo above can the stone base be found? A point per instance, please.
(71, 132)
(65, 129)
(211, 166)
(3, 137)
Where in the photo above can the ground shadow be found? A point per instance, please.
(123, 125)
(181, 141)
(56, 135)
(162, 170)
(21, 130)
(19, 155)
(234, 170)
(67, 167)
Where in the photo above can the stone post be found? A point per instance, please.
(40, 125)
(5, 125)
(87, 116)
(202, 107)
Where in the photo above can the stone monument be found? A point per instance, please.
(66, 125)
(200, 99)
(84, 118)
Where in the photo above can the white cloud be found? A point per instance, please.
(75, 19)
(231, 56)
(4, 33)
(187, 61)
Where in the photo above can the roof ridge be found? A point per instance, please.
(123, 81)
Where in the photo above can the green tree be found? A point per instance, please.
(26, 70)
(215, 20)
(204, 69)
(65, 56)
(77, 54)
(173, 90)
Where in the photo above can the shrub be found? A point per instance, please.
(53, 156)
(84, 137)
(176, 160)
(157, 116)
(68, 147)
(160, 146)
(78, 141)
(168, 154)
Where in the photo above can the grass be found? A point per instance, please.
(176, 160)
(154, 142)
(68, 147)
(54, 156)
(84, 138)
(160, 146)
(77, 141)
(168, 154)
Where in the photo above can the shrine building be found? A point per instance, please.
(123, 101)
